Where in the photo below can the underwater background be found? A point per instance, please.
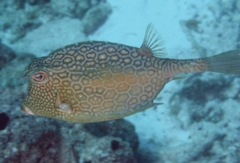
(199, 119)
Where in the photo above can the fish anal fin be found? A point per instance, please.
(178, 76)
(150, 105)
(152, 44)
(156, 104)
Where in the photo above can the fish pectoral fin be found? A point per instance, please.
(61, 106)
(65, 108)
(152, 44)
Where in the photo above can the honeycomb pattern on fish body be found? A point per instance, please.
(103, 79)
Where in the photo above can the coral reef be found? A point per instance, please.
(198, 121)
(118, 128)
(21, 16)
(51, 33)
(4, 120)
(94, 17)
(217, 16)
(6, 55)
(204, 105)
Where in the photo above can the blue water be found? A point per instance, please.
(198, 120)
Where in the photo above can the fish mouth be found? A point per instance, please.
(26, 110)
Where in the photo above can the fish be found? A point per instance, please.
(98, 81)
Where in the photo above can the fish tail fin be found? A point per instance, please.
(227, 62)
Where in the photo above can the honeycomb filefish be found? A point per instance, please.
(97, 81)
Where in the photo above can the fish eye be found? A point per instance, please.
(40, 77)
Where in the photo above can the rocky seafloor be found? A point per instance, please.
(205, 106)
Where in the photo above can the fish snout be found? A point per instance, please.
(26, 110)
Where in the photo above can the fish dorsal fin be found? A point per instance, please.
(152, 44)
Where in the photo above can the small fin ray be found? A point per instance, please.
(152, 43)
(178, 76)
(151, 105)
